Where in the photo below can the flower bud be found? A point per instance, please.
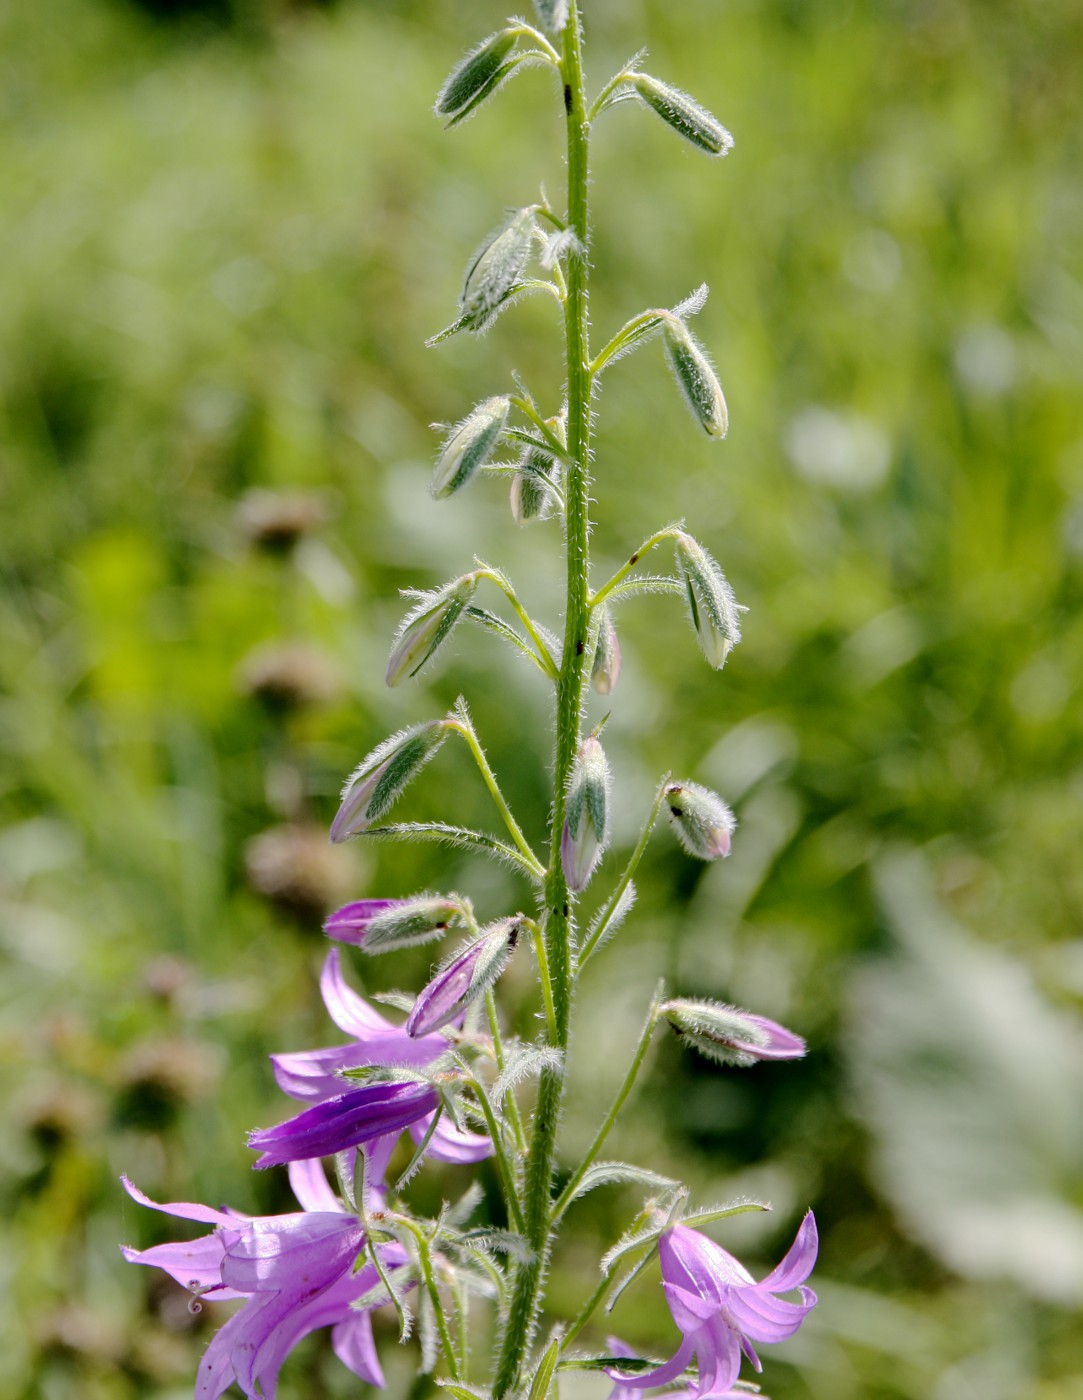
(605, 668)
(730, 1036)
(552, 14)
(378, 925)
(470, 445)
(531, 499)
(427, 625)
(586, 824)
(376, 783)
(696, 378)
(702, 821)
(465, 977)
(471, 80)
(684, 114)
(497, 266)
(715, 612)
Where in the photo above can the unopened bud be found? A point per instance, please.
(472, 80)
(605, 668)
(379, 925)
(427, 625)
(552, 14)
(376, 783)
(586, 823)
(702, 821)
(684, 114)
(470, 445)
(715, 612)
(464, 977)
(531, 498)
(730, 1036)
(497, 265)
(696, 378)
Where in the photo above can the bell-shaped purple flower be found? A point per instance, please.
(721, 1309)
(295, 1273)
(464, 977)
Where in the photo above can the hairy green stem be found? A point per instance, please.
(556, 915)
(601, 923)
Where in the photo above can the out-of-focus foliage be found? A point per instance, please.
(225, 232)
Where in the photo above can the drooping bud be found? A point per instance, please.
(376, 783)
(379, 925)
(497, 266)
(702, 821)
(531, 499)
(586, 824)
(552, 14)
(605, 668)
(470, 445)
(730, 1036)
(427, 625)
(464, 977)
(475, 77)
(715, 612)
(684, 114)
(696, 378)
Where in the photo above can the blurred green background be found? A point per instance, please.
(226, 230)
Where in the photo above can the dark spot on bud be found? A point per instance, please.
(567, 98)
(579, 648)
(513, 935)
(677, 811)
(635, 558)
(565, 909)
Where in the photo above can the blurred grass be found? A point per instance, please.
(225, 236)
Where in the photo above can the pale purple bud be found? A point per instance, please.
(474, 77)
(378, 925)
(464, 977)
(586, 823)
(715, 612)
(730, 1036)
(605, 668)
(357, 1116)
(696, 378)
(470, 445)
(378, 780)
(427, 625)
(497, 265)
(702, 821)
(552, 14)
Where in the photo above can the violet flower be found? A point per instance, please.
(314, 1075)
(295, 1272)
(380, 925)
(722, 1310)
(464, 977)
(349, 1119)
(730, 1036)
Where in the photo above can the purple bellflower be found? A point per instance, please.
(314, 1075)
(721, 1309)
(295, 1273)
(464, 977)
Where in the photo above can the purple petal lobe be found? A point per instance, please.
(357, 1116)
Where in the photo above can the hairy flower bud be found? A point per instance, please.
(464, 977)
(730, 1036)
(552, 14)
(684, 114)
(586, 824)
(472, 79)
(427, 625)
(605, 668)
(470, 445)
(702, 821)
(531, 499)
(379, 925)
(497, 265)
(715, 612)
(696, 378)
(378, 780)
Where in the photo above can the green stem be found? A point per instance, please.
(504, 584)
(462, 724)
(615, 1107)
(587, 1310)
(498, 1055)
(503, 1166)
(556, 916)
(601, 923)
(429, 1278)
(622, 573)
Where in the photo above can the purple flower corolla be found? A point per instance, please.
(721, 1309)
(350, 923)
(314, 1075)
(360, 1115)
(295, 1272)
(380, 925)
(462, 979)
(730, 1036)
